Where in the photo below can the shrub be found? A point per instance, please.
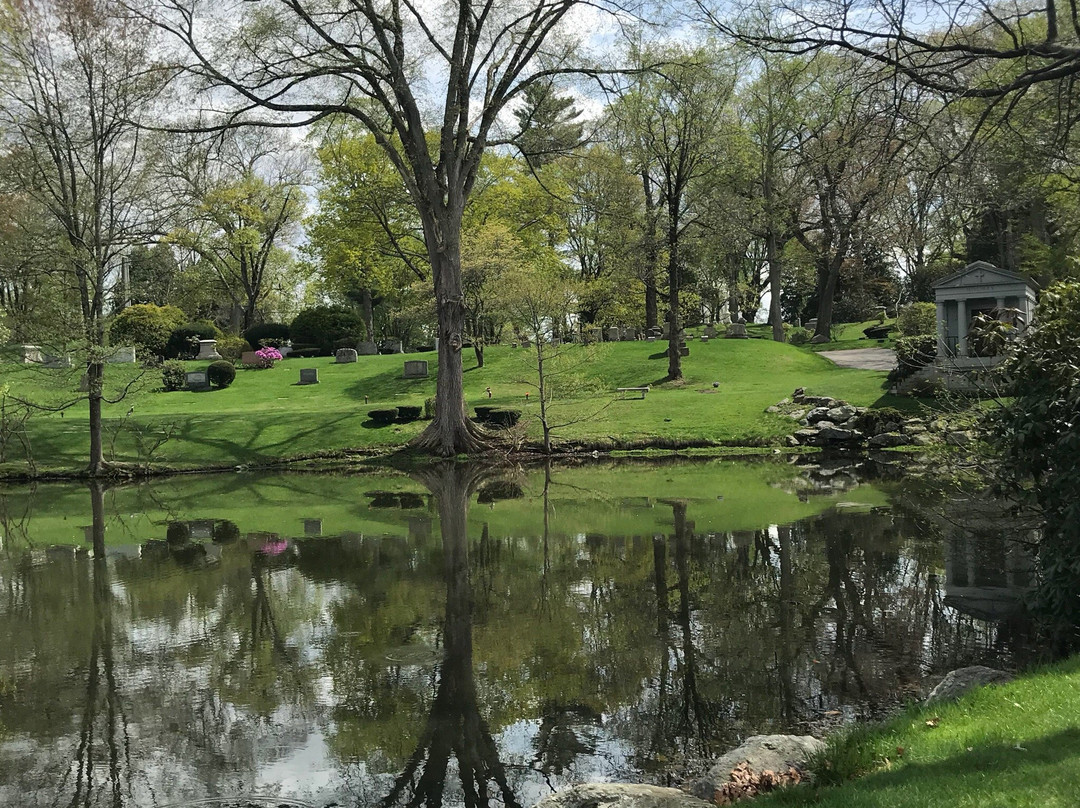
(184, 341)
(232, 348)
(872, 421)
(265, 358)
(346, 342)
(322, 326)
(989, 336)
(917, 319)
(221, 373)
(272, 334)
(173, 375)
(384, 416)
(305, 353)
(799, 336)
(407, 412)
(429, 407)
(913, 353)
(503, 416)
(146, 326)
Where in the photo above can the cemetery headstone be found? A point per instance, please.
(249, 358)
(29, 354)
(650, 338)
(613, 334)
(684, 350)
(704, 338)
(57, 361)
(626, 334)
(285, 350)
(736, 331)
(309, 375)
(710, 331)
(208, 349)
(198, 380)
(811, 324)
(390, 346)
(313, 527)
(124, 356)
(344, 356)
(367, 348)
(415, 369)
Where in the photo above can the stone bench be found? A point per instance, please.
(624, 390)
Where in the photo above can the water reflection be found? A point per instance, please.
(477, 637)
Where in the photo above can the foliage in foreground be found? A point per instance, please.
(1037, 440)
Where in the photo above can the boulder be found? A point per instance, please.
(914, 428)
(798, 415)
(773, 408)
(818, 339)
(958, 438)
(806, 436)
(817, 414)
(792, 441)
(835, 434)
(620, 795)
(961, 680)
(842, 413)
(887, 439)
(923, 439)
(763, 753)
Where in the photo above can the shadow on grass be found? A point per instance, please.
(388, 385)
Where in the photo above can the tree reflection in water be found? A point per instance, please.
(454, 727)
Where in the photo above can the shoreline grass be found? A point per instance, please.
(1014, 745)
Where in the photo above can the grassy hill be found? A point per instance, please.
(266, 414)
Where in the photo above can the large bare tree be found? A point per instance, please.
(76, 82)
(430, 81)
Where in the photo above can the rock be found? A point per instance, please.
(798, 392)
(886, 439)
(806, 436)
(961, 680)
(842, 413)
(818, 339)
(939, 425)
(762, 752)
(793, 441)
(923, 439)
(621, 795)
(914, 429)
(835, 434)
(798, 415)
(958, 438)
(817, 414)
(773, 408)
(891, 426)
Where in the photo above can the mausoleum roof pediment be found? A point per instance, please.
(981, 273)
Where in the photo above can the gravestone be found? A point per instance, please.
(710, 331)
(197, 380)
(689, 336)
(684, 350)
(736, 331)
(57, 361)
(367, 348)
(556, 342)
(625, 334)
(208, 349)
(28, 354)
(313, 527)
(124, 356)
(344, 356)
(284, 350)
(665, 330)
(811, 324)
(416, 369)
(704, 338)
(249, 358)
(309, 375)
(613, 334)
(390, 346)
(650, 338)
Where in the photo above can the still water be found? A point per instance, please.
(462, 636)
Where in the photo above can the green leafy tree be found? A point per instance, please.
(548, 125)
(146, 326)
(1038, 451)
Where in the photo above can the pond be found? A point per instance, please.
(462, 635)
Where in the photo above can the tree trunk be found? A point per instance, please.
(828, 276)
(674, 357)
(367, 313)
(478, 349)
(772, 256)
(450, 431)
(651, 254)
(95, 372)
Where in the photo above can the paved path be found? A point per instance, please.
(865, 358)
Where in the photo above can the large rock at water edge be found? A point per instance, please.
(763, 753)
(621, 795)
(958, 682)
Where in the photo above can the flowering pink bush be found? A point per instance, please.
(267, 357)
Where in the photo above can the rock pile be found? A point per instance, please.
(832, 422)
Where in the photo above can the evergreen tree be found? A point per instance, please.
(547, 125)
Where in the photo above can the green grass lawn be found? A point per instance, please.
(847, 336)
(1014, 746)
(266, 415)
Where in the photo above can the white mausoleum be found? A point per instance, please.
(979, 288)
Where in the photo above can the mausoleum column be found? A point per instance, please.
(942, 330)
(961, 327)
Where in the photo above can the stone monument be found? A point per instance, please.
(207, 349)
(415, 369)
(198, 380)
(344, 356)
(309, 375)
(367, 348)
